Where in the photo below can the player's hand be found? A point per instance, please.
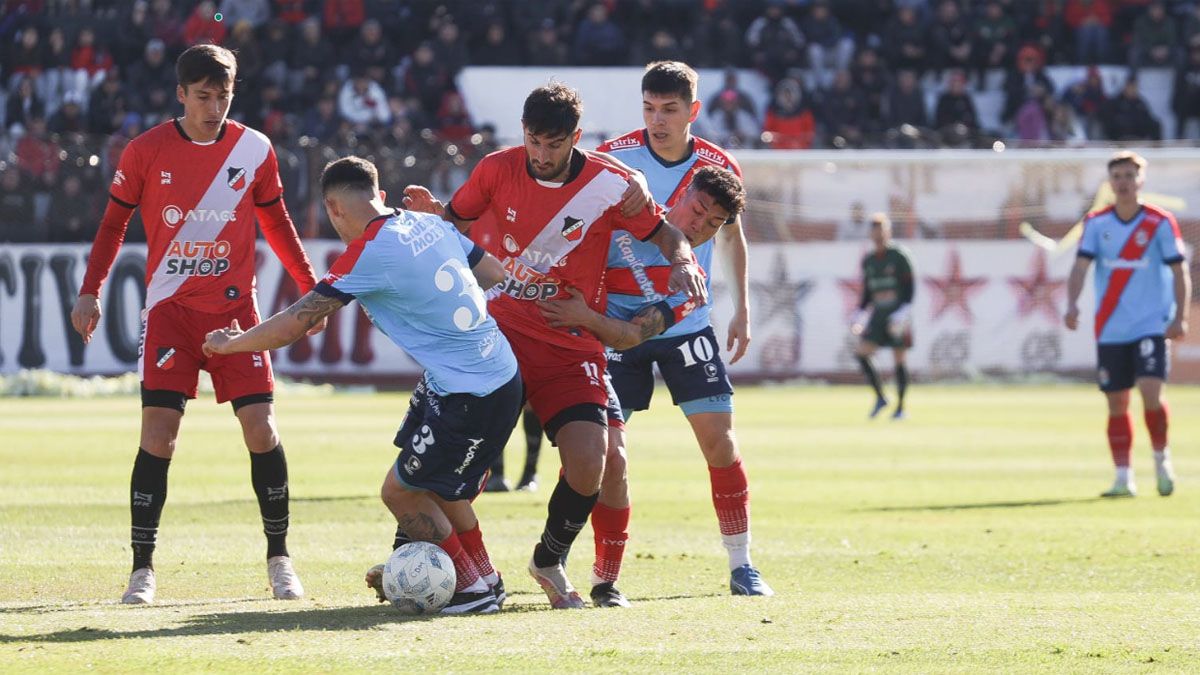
(318, 327)
(218, 341)
(739, 335)
(568, 312)
(85, 315)
(1071, 318)
(1177, 329)
(686, 278)
(636, 196)
(858, 323)
(418, 198)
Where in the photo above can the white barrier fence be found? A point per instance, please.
(989, 307)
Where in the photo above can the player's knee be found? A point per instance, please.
(260, 434)
(158, 442)
(585, 473)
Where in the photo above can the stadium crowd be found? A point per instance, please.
(377, 77)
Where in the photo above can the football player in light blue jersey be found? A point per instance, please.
(421, 282)
(1142, 292)
(686, 353)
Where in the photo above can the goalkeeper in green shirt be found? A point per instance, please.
(883, 316)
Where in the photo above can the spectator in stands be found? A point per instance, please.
(292, 12)
(1191, 26)
(16, 208)
(790, 124)
(25, 56)
(775, 42)
(166, 25)
(662, 47)
(955, 117)
(844, 112)
(38, 157)
(321, 121)
(276, 49)
(453, 121)
(1020, 82)
(152, 83)
(311, 62)
(202, 26)
(363, 103)
(1128, 118)
(544, 47)
(342, 19)
(73, 215)
(1065, 126)
(370, 53)
(995, 38)
(108, 104)
(906, 103)
(1185, 95)
(22, 105)
(599, 41)
(56, 77)
(951, 38)
(730, 85)
(730, 125)
(245, 44)
(829, 45)
(256, 12)
(905, 41)
(1154, 38)
(497, 49)
(89, 62)
(1031, 122)
(425, 79)
(449, 49)
(871, 77)
(69, 117)
(129, 43)
(716, 40)
(1089, 19)
(1088, 100)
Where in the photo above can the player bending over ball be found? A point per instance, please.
(420, 282)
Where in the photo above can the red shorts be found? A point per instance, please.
(556, 378)
(170, 356)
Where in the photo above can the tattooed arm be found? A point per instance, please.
(278, 331)
(573, 312)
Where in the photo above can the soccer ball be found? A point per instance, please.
(419, 578)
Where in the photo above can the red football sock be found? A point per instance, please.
(472, 543)
(1120, 438)
(611, 527)
(464, 567)
(1156, 423)
(731, 497)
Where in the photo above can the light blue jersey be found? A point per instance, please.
(637, 271)
(1135, 295)
(412, 274)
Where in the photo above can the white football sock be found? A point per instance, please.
(738, 548)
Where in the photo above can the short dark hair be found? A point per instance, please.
(349, 173)
(206, 63)
(1127, 157)
(670, 78)
(723, 186)
(553, 110)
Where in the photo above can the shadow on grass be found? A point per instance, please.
(982, 505)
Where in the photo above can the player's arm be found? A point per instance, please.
(85, 315)
(1074, 288)
(899, 319)
(1183, 294)
(488, 271)
(736, 256)
(468, 203)
(637, 196)
(573, 312)
(278, 331)
(685, 273)
(279, 230)
(858, 322)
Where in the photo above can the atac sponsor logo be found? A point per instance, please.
(525, 283)
(198, 258)
(236, 177)
(572, 228)
(172, 216)
(511, 244)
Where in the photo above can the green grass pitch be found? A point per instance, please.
(967, 538)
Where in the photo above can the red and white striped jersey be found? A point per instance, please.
(550, 235)
(198, 204)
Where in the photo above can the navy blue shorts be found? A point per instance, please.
(690, 365)
(448, 443)
(1120, 365)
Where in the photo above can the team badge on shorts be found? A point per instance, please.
(1103, 376)
(237, 177)
(572, 228)
(166, 358)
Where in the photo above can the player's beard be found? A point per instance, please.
(553, 174)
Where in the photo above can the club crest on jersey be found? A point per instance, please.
(572, 228)
(237, 177)
(1141, 238)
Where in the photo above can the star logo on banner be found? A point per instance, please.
(954, 291)
(1037, 292)
(779, 296)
